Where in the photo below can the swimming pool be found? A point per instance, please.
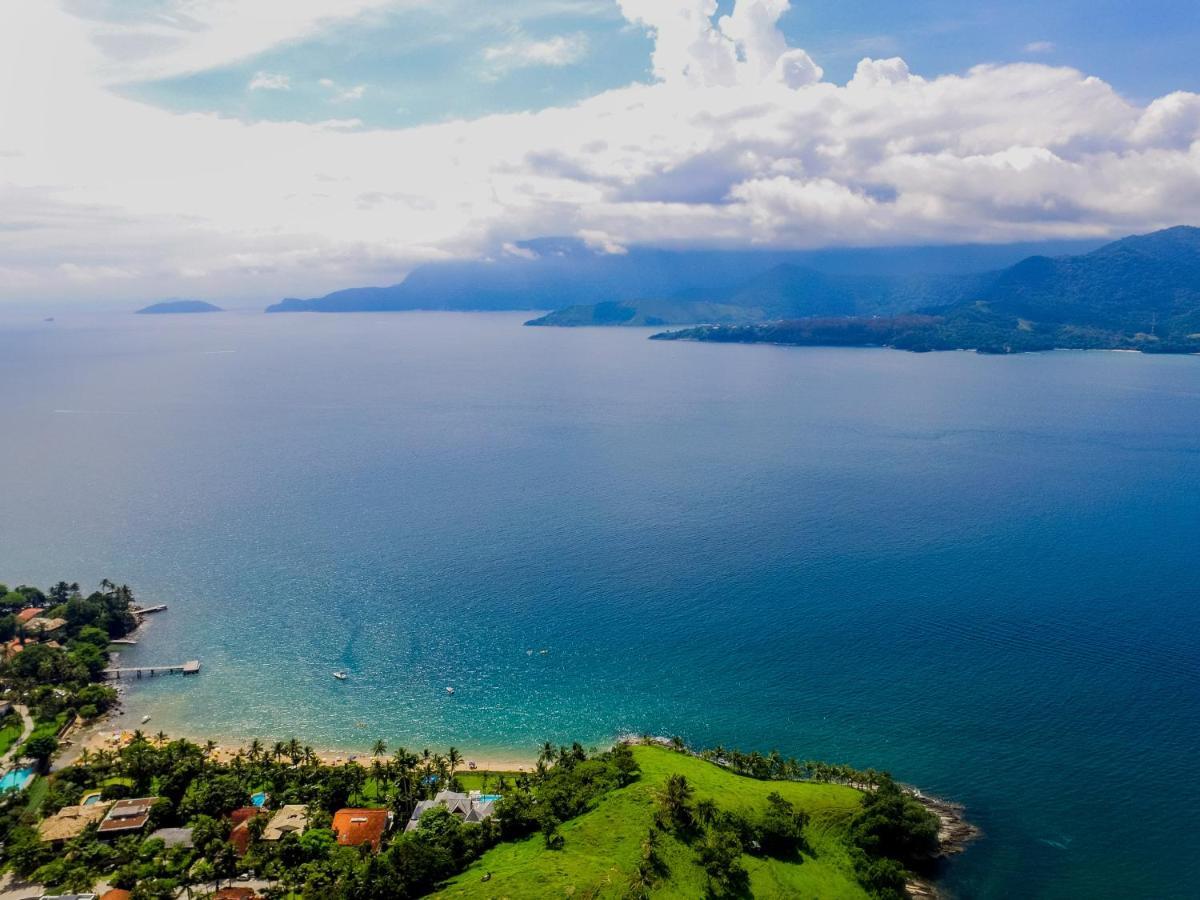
(15, 780)
(259, 799)
(488, 798)
(90, 799)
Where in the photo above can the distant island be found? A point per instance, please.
(179, 306)
(1138, 293)
(1141, 293)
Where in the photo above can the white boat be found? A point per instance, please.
(449, 690)
(145, 719)
(340, 676)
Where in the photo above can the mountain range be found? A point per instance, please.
(1139, 293)
(555, 273)
(1142, 292)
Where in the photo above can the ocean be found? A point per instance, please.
(979, 573)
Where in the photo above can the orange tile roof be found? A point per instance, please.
(116, 894)
(26, 614)
(355, 827)
(243, 813)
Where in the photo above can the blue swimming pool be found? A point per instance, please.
(487, 798)
(259, 799)
(15, 779)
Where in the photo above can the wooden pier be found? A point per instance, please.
(191, 667)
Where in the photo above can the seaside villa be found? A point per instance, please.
(70, 822)
(291, 819)
(472, 807)
(127, 815)
(44, 628)
(359, 827)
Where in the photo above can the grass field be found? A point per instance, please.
(603, 847)
(470, 781)
(9, 733)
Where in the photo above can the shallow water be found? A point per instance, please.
(977, 572)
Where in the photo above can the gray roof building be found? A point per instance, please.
(466, 807)
(174, 837)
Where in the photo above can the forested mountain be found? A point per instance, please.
(1139, 293)
(556, 273)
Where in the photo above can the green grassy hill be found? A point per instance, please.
(602, 848)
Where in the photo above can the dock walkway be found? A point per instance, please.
(191, 667)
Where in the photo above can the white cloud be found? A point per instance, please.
(1040, 47)
(340, 94)
(523, 52)
(193, 35)
(269, 81)
(744, 47)
(736, 143)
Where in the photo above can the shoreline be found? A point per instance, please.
(109, 732)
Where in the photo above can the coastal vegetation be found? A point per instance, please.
(55, 654)
(644, 818)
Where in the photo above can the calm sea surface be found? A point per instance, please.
(980, 573)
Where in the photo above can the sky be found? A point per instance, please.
(252, 149)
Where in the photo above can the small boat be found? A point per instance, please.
(145, 719)
(449, 690)
(340, 676)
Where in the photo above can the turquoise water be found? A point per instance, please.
(977, 572)
(258, 799)
(14, 780)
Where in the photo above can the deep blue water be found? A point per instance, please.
(977, 572)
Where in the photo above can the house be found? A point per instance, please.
(39, 627)
(468, 808)
(70, 822)
(291, 819)
(126, 816)
(12, 648)
(235, 893)
(174, 837)
(116, 894)
(26, 614)
(69, 897)
(358, 827)
(240, 835)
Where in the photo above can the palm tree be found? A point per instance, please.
(256, 749)
(674, 799)
(379, 748)
(453, 759)
(706, 811)
(547, 753)
(278, 750)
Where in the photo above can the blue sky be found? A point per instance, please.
(264, 148)
(431, 63)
